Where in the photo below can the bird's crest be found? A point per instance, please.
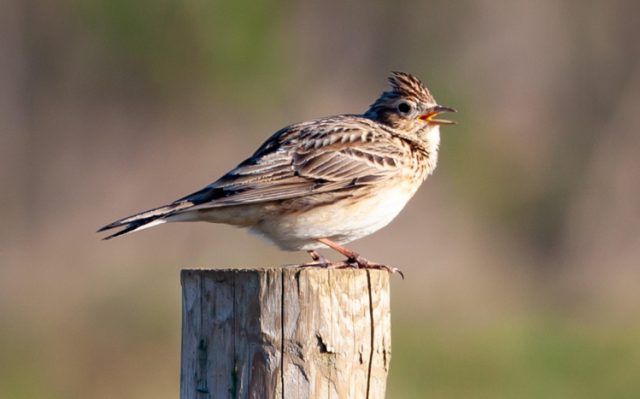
(407, 85)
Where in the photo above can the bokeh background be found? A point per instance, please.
(522, 252)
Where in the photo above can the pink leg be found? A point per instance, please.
(355, 260)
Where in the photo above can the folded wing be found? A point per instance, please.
(301, 160)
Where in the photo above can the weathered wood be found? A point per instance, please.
(285, 333)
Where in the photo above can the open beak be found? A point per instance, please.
(432, 112)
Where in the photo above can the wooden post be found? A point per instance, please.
(285, 333)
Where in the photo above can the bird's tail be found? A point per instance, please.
(146, 219)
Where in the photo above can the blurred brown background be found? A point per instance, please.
(522, 252)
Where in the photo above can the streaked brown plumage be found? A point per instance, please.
(325, 182)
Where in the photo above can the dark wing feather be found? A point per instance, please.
(308, 159)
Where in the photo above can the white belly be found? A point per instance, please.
(341, 222)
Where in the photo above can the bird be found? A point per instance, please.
(324, 182)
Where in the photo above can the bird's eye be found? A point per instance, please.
(404, 107)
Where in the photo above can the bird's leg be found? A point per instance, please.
(318, 261)
(355, 260)
(352, 256)
(317, 257)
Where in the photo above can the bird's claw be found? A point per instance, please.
(353, 263)
(359, 262)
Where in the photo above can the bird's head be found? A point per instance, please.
(408, 106)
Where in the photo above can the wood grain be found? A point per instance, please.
(285, 333)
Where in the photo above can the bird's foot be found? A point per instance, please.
(353, 261)
(358, 262)
(347, 264)
(318, 257)
(318, 261)
(323, 264)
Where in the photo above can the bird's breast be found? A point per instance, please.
(343, 221)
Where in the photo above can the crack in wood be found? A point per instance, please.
(372, 337)
(282, 329)
(323, 346)
(203, 354)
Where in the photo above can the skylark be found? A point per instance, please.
(323, 183)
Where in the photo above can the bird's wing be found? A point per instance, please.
(306, 159)
(329, 155)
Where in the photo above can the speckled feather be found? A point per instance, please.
(304, 173)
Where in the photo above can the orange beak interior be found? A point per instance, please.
(429, 117)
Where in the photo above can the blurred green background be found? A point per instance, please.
(522, 252)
